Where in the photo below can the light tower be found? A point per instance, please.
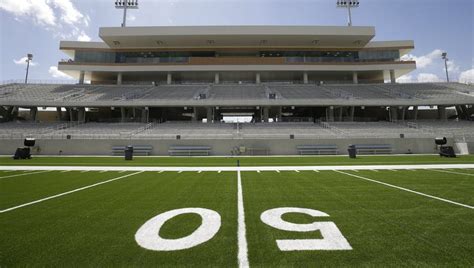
(29, 58)
(126, 4)
(348, 4)
(444, 56)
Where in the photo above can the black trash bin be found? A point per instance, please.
(352, 151)
(129, 152)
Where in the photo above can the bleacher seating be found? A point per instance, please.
(373, 148)
(137, 150)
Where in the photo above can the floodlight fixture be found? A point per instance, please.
(29, 58)
(126, 4)
(348, 5)
(444, 56)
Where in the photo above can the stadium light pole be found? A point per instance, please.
(348, 5)
(126, 4)
(444, 56)
(29, 57)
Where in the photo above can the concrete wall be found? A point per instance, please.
(219, 147)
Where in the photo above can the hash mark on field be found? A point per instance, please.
(374, 170)
(277, 171)
(199, 171)
(24, 174)
(258, 171)
(317, 171)
(161, 171)
(297, 171)
(68, 192)
(453, 172)
(84, 171)
(219, 171)
(408, 190)
(180, 171)
(64, 171)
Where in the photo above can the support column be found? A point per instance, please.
(145, 114)
(33, 113)
(393, 114)
(81, 114)
(257, 78)
(71, 114)
(393, 80)
(339, 115)
(209, 115)
(216, 78)
(194, 118)
(355, 78)
(442, 113)
(330, 114)
(352, 113)
(279, 112)
(403, 113)
(122, 114)
(305, 78)
(119, 78)
(169, 79)
(265, 114)
(82, 75)
(59, 113)
(415, 113)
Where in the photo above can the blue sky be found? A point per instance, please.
(37, 26)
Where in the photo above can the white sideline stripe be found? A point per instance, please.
(24, 174)
(406, 189)
(68, 192)
(241, 233)
(453, 172)
(234, 168)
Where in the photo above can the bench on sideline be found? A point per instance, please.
(373, 148)
(189, 150)
(137, 150)
(319, 149)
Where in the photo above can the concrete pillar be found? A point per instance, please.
(257, 78)
(82, 75)
(145, 114)
(415, 112)
(393, 80)
(404, 109)
(194, 117)
(216, 78)
(305, 78)
(33, 113)
(393, 114)
(352, 112)
(59, 113)
(355, 78)
(81, 114)
(71, 114)
(169, 79)
(265, 114)
(119, 78)
(330, 114)
(279, 112)
(442, 115)
(122, 114)
(209, 115)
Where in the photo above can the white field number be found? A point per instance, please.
(332, 237)
(148, 235)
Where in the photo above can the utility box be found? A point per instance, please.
(129, 152)
(352, 151)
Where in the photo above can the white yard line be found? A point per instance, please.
(68, 192)
(454, 172)
(234, 168)
(24, 174)
(242, 239)
(406, 189)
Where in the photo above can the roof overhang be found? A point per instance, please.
(236, 36)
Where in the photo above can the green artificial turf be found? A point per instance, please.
(96, 226)
(244, 161)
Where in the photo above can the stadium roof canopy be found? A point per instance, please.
(241, 36)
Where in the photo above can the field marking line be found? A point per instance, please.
(317, 171)
(297, 171)
(64, 171)
(68, 192)
(374, 170)
(453, 172)
(406, 189)
(24, 174)
(241, 233)
(219, 171)
(277, 171)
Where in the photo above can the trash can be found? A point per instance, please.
(129, 152)
(352, 151)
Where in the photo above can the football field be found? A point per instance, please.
(412, 212)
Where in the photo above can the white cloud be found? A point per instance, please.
(83, 37)
(58, 16)
(131, 17)
(54, 72)
(453, 67)
(22, 61)
(405, 79)
(425, 60)
(467, 77)
(426, 78)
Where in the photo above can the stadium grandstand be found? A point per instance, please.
(276, 90)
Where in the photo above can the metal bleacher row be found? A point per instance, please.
(113, 93)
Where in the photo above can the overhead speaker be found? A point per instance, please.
(441, 141)
(29, 142)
